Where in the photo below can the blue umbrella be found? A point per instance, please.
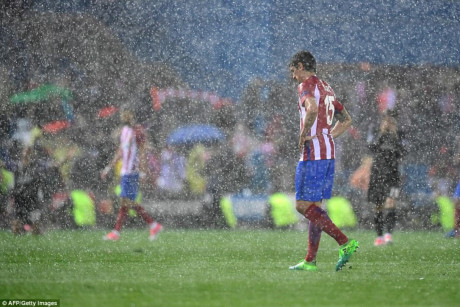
(192, 134)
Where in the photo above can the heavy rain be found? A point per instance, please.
(178, 122)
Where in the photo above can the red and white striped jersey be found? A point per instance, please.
(129, 141)
(322, 147)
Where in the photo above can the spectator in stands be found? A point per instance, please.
(241, 141)
(153, 169)
(65, 151)
(225, 173)
(195, 170)
(171, 181)
(260, 182)
(442, 173)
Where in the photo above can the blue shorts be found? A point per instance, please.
(457, 191)
(314, 180)
(129, 186)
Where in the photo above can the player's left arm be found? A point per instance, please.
(343, 122)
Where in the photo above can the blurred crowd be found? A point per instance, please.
(42, 163)
(59, 121)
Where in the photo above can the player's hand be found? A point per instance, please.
(303, 139)
(104, 172)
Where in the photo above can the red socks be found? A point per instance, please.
(121, 218)
(142, 213)
(123, 212)
(320, 218)
(314, 236)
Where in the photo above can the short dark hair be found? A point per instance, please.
(127, 116)
(306, 58)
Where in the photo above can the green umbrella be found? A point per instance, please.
(41, 93)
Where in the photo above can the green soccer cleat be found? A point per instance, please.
(345, 253)
(305, 266)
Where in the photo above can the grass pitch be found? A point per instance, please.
(227, 268)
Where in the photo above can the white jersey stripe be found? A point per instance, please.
(316, 149)
(317, 95)
(129, 149)
(328, 145)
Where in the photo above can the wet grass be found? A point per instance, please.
(226, 268)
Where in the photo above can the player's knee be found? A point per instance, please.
(457, 204)
(301, 207)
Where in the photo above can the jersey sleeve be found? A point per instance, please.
(338, 105)
(306, 90)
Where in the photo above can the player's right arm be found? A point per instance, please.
(107, 169)
(116, 157)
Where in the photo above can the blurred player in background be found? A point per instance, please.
(314, 176)
(130, 151)
(385, 180)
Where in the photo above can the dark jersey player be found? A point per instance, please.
(314, 176)
(385, 179)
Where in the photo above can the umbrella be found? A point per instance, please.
(107, 112)
(44, 93)
(56, 126)
(191, 134)
(41, 93)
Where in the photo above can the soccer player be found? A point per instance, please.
(314, 175)
(384, 183)
(132, 142)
